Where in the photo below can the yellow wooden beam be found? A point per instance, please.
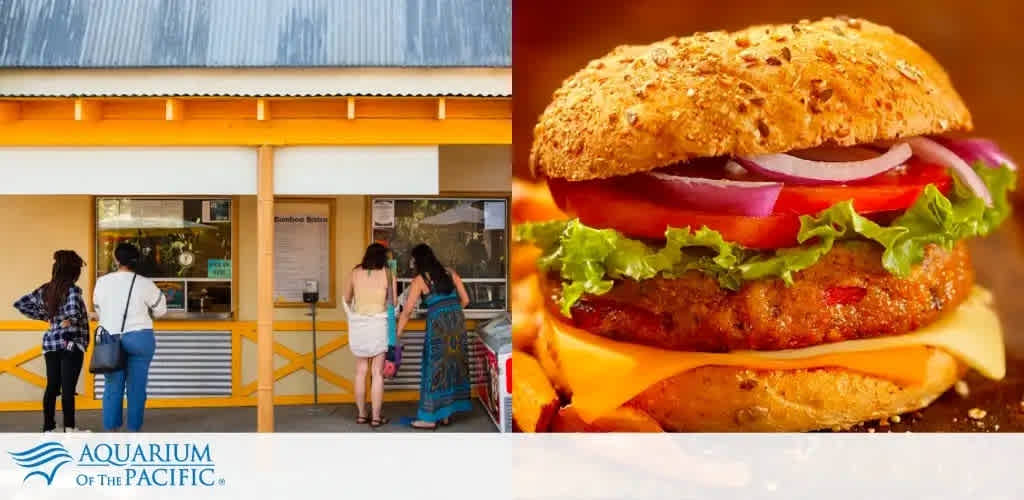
(265, 290)
(88, 110)
(312, 132)
(10, 111)
(12, 366)
(247, 328)
(351, 108)
(174, 110)
(262, 109)
(441, 108)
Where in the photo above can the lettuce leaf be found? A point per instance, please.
(588, 260)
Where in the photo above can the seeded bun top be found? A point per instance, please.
(765, 89)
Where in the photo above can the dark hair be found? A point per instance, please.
(427, 265)
(376, 257)
(127, 255)
(67, 268)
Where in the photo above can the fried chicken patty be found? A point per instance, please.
(846, 295)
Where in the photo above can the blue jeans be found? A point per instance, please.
(139, 347)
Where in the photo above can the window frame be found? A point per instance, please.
(459, 195)
(91, 266)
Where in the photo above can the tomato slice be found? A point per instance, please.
(604, 204)
(885, 192)
(599, 204)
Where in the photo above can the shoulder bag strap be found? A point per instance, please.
(127, 302)
(391, 289)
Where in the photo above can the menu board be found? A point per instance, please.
(302, 252)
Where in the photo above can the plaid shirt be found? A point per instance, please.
(57, 338)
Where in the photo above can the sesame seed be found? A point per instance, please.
(659, 56)
(962, 389)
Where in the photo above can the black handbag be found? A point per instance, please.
(107, 354)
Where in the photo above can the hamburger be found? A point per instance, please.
(765, 231)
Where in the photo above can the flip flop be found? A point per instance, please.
(377, 422)
(362, 420)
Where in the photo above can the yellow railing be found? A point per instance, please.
(242, 391)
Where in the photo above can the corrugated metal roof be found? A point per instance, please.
(255, 33)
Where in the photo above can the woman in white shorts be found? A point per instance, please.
(368, 337)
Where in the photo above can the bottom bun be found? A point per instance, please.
(726, 399)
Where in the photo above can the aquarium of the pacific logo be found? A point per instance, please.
(43, 461)
(121, 464)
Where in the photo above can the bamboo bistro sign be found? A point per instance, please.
(302, 250)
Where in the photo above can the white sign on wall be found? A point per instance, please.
(302, 252)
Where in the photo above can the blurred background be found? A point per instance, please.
(978, 42)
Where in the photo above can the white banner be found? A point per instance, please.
(479, 466)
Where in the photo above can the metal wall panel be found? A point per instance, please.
(187, 365)
(408, 376)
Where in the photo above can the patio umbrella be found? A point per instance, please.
(126, 221)
(462, 214)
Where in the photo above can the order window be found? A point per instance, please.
(185, 246)
(469, 235)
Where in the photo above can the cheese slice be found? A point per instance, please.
(604, 374)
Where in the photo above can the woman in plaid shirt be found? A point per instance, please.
(60, 303)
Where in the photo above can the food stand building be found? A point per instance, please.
(246, 147)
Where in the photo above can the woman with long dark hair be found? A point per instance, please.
(59, 302)
(367, 291)
(444, 375)
(127, 304)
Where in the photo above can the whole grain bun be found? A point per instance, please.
(765, 89)
(725, 399)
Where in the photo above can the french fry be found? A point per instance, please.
(623, 419)
(526, 313)
(524, 261)
(546, 356)
(525, 326)
(534, 402)
(532, 202)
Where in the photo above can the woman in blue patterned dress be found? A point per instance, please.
(445, 385)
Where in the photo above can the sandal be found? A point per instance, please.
(362, 420)
(423, 426)
(377, 422)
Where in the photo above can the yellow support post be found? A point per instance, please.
(265, 290)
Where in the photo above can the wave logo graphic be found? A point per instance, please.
(43, 460)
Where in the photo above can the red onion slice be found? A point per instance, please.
(972, 150)
(794, 170)
(933, 152)
(720, 196)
